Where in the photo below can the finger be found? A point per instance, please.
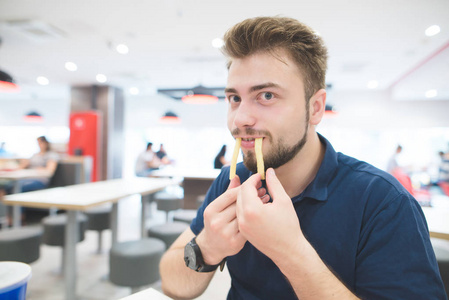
(228, 214)
(223, 201)
(261, 192)
(275, 187)
(248, 193)
(265, 198)
(235, 182)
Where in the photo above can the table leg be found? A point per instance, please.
(114, 222)
(16, 209)
(16, 216)
(143, 216)
(71, 237)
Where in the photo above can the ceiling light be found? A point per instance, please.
(217, 43)
(70, 66)
(170, 118)
(122, 49)
(199, 99)
(432, 30)
(372, 84)
(101, 78)
(33, 116)
(7, 83)
(330, 110)
(431, 93)
(42, 80)
(134, 91)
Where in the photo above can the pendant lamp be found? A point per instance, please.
(7, 83)
(33, 116)
(170, 118)
(330, 110)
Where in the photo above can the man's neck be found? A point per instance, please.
(297, 174)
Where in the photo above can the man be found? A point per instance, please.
(331, 227)
(393, 161)
(147, 161)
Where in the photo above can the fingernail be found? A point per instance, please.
(271, 171)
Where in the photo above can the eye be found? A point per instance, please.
(267, 96)
(234, 98)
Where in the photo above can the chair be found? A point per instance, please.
(135, 263)
(167, 203)
(421, 195)
(20, 244)
(167, 232)
(444, 187)
(99, 219)
(184, 215)
(66, 173)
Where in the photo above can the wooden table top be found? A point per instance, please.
(86, 195)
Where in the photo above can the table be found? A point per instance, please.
(196, 182)
(15, 176)
(438, 221)
(147, 294)
(80, 197)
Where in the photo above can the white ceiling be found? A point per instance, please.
(170, 42)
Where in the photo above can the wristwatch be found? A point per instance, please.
(194, 259)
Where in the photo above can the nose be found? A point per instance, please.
(245, 115)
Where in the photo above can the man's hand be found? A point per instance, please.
(221, 236)
(273, 227)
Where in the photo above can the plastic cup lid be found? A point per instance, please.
(13, 274)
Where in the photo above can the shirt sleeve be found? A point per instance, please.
(385, 268)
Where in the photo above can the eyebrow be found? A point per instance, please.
(255, 88)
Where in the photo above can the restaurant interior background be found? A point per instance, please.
(388, 80)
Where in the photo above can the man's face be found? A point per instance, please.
(266, 99)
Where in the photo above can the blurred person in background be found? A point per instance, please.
(162, 155)
(393, 163)
(147, 161)
(444, 167)
(45, 159)
(220, 159)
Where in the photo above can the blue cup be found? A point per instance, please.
(14, 277)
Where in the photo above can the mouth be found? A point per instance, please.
(248, 143)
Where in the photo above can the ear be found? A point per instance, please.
(317, 107)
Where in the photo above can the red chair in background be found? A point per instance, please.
(421, 195)
(444, 187)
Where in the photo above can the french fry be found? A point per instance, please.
(259, 157)
(238, 143)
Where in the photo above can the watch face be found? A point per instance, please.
(190, 257)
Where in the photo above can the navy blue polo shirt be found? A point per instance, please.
(364, 225)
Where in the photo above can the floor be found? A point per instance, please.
(47, 282)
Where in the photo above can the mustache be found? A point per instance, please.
(250, 131)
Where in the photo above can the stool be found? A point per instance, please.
(184, 215)
(442, 256)
(168, 203)
(98, 219)
(54, 230)
(167, 232)
(20, 244)
(135, 263)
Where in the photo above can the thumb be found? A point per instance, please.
(235, 182)
(275, 188)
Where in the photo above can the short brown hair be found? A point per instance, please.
(267, 34)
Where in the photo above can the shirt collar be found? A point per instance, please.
(317, 189)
